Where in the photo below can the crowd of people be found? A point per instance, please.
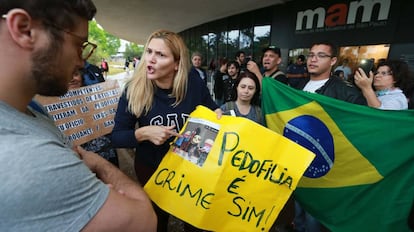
(81, 190)
(388, 85)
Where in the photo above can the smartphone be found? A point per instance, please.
(367, 65)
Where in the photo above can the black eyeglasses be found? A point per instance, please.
(318, 55)
(383, 73)
(87, 48)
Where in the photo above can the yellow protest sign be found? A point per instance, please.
(227, 175)
(85, 113)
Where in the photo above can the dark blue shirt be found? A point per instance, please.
(162, 113)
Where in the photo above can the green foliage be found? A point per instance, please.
(133, 50)
(113, 44)
(107, 44)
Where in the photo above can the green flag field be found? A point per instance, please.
(362, 178)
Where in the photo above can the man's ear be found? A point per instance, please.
(279, 60)
(333, 61)
(20, 26)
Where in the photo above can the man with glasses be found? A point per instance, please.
(47, 185)
(320, 60)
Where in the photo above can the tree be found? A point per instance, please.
(113, 44)
(133, 50)
(107, 44)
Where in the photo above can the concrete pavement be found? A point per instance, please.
(121, 77)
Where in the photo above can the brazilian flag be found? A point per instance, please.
(362, 178)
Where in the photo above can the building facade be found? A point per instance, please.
(362, 29)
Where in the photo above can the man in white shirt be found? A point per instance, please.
(321, 58)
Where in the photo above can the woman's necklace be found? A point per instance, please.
(382, 92)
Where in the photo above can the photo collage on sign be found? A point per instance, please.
(196, 141)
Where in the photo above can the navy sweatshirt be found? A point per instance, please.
(161, 113)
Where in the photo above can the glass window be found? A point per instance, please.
(294, 53)
(218, 37)
(212, 49)
(261, 40)
(222, 44)
(232, 43)
(204, 49)
(246, 40)
(355, 54)
(192, 41)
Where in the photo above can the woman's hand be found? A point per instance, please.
(365, 84)
(155, 134)
(362, 80)
(254, 68)
(219, 113)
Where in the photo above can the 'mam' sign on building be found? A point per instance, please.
(342, 14)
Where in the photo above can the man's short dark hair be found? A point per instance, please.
(334, 51)
(238, 53)
(235, 63)
(60, 13)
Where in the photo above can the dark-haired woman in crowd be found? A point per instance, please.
(246, 102)
(388, 87)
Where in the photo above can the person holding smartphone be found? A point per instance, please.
(384, 88)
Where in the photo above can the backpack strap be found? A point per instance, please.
(258, 111)
(230, 106)
(277, 73)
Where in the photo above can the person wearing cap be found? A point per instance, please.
(270, 61)
(297, 71)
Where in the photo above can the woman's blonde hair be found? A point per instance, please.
(140, 89)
